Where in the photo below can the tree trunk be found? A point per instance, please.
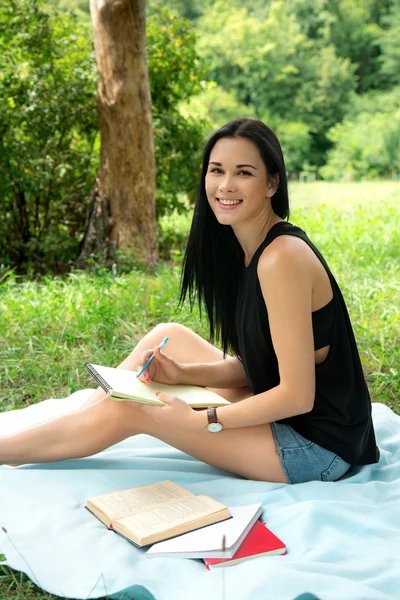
(121, 211)
(23, 224)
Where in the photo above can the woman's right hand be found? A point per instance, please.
(162, 368)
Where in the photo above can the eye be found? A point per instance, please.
(215, 170)
(243, 172)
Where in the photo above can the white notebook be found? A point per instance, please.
(207, 542)
(122, 384)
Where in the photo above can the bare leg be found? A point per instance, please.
(102, 422)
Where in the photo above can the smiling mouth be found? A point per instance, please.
(226, 202)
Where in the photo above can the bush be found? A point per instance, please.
(173, 234)
(367, 142)
(48, 131)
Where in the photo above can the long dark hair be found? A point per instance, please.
(214, 259)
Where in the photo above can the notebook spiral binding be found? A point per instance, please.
(102, 383)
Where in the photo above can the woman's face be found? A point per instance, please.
(237, 184)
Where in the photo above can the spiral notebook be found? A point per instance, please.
(121, 384)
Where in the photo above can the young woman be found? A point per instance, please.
(300, 406)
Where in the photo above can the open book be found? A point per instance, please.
(155, 512)
(121, 384)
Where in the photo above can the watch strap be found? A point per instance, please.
(212, 414)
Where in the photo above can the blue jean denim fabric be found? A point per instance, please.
(303, 460)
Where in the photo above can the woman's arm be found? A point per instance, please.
(224, 373)
(285, 276)
(227, 373)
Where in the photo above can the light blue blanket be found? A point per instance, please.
(343, 538)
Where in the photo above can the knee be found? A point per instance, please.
(116, 418)
(169, 330)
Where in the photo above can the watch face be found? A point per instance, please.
(214, 427)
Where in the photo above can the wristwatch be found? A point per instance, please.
(214, 426)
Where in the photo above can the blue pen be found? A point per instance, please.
(148, 361)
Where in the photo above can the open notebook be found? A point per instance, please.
(121, 384)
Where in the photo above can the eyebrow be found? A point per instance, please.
(218, 164)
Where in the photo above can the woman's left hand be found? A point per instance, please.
(175, 412)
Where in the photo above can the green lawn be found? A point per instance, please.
(49, 329)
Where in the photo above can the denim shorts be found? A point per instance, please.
(303, 460)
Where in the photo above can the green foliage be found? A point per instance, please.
(48, 129)
(188, 10)
(353, 27)
(390, 59)
(215, 106)
(355, 31)
(296, 143)
(174, 65)
(79, 7)
(274, 68)
(257, 60)
(173, 232)
(314, 19)
(367, 142)
(196, 8)
(175, 72)
(327, 92)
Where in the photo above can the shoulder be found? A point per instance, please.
(287, 254)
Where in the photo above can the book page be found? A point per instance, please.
(125, 385)
(166, 517)
(120, 504)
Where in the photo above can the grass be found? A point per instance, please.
(17, 586)
(48, 329)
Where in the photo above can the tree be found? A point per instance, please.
(356, 32)
(390, 58)
(121, 213)
(296, 145)
(324, 97)
(258, 60)
(353, 27)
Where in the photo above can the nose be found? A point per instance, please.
(227, 184)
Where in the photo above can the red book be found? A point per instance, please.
(260, 541)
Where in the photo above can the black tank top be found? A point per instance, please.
(340, 420)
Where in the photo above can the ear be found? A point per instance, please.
(272, 184)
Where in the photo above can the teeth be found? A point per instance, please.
(229, 202)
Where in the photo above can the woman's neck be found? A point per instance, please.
(251, 235)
